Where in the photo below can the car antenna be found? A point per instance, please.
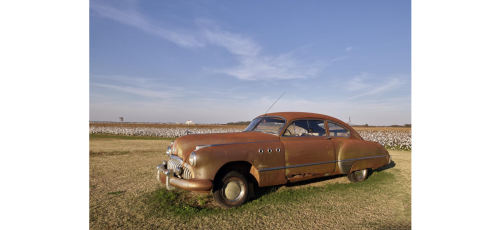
(274, 103)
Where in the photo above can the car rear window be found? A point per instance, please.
(337, 131)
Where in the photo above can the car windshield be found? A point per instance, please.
(270, 125)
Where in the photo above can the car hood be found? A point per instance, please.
(184, 145)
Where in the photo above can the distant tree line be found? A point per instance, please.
(406, 125)
(239, 123)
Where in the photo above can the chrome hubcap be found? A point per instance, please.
(361, 174)
(234, 190)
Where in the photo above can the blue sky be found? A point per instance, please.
(222, 61)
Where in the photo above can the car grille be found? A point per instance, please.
(173, 163)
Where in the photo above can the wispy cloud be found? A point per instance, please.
(358, 82)
(368, 85)
(137, 81)
(148, 88)
(253, 65)
(349, 48)
(128, 15)
(138, 91)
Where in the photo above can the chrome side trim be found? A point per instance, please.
(362, 158)
(317, 163)
(201, 146)
(269, 169)
(346, 164)
(205, 146)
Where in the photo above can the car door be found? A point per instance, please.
(308, 150)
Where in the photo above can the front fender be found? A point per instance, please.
(211, 158)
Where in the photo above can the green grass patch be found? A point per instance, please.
(404, 148)
(103, 136)
(375, 182)
(162, 202)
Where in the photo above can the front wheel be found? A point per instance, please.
(231, 191)
(358, 176)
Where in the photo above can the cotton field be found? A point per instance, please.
(390, 138)
(171, 132)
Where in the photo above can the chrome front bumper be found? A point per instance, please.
(166, 176)
(161, 169)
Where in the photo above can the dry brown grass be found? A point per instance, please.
(122, 184)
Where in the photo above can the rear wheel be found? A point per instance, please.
(358, 176)
(231, 191)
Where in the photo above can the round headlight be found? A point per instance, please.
(169, 151)
(192, 159)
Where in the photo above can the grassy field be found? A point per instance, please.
(124, 194)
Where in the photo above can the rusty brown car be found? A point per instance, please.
(276, 148)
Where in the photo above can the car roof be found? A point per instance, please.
(295, 115)
(289, 116)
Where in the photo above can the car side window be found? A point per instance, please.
(306, 128)
(337, 130)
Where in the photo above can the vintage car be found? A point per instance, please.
(276, 148)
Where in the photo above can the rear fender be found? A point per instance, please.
(357, 154)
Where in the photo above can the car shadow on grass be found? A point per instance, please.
(263, 191)
(388, 166)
